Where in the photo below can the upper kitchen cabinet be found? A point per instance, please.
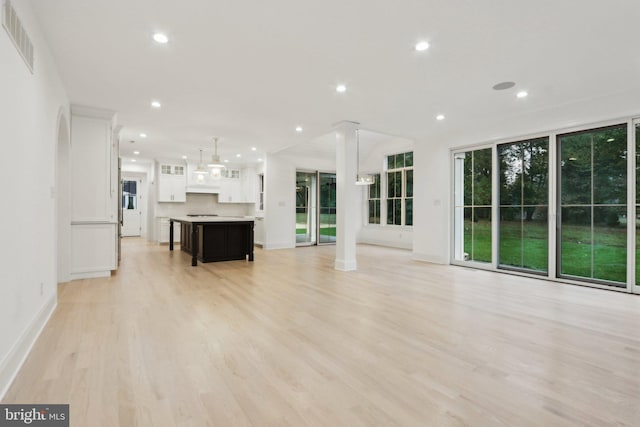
(172, 182)
(238, 186)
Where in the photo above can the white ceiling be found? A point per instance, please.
(251, 71)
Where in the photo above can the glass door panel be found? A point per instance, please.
(472, 214)
(636, 285)
(327, 223)
(306, 208)
(592, 237)
(524, 195)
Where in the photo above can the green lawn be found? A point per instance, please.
(609, 248)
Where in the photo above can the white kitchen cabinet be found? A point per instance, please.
(249, 185)
(172, 183)
(258, 231)
(230, 190)
(162, 230)
(94, 183)
(239, 186)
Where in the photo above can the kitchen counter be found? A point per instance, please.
(215, 238)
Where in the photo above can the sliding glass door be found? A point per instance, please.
(524, 205)
(635, 222)
(315, 208)
(306, 196)
(472, 216)
(327, 225)
(592, 205)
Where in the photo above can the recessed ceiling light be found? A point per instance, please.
(160, 38)
(184, 157)
(156, 104)
(341, 88)
(440, 117)
(136, 152)
(299, 128)
(143, 135)
(133, 160)
(253, 148)
(522, 94)
(422, 46)
(238, 155)
(259, 160)
(503, 85)
(226, 161)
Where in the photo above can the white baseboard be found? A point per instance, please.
(278, 245)
(12, 363)
(386, 243)
(434, 259)
(345, 265)
(90, 275)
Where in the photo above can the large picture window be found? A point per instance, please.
(524, 195)
(472, 222)
(592, 241)
(374, 200)
(400, 189)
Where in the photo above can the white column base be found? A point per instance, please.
(344, 265)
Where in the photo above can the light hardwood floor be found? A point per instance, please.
(287, 340)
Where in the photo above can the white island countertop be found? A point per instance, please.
(201, 219)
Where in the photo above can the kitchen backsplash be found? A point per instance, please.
(203, 204)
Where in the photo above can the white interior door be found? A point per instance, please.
(131, 208)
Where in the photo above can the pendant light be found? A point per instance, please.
(215, 159)
(363, 179)
(200, 170)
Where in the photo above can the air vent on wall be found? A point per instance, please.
(12, 24)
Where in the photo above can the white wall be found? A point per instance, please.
(29, 107)
(431, 202)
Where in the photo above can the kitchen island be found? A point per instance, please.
(214, 238)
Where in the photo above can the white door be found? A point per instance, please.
(131, 211)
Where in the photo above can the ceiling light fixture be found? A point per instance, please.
(361, 179)
(184, 157)
(238, 155)
(160, 38)
(440, 117)
(503, 85)
(422, 46)
(299, 128)
(522, 94)
(133, 160)
(200, 170)
(259, 160)
(341, 88)
(136, 152)
(215, 159)
(156, 104)
(226, 161)
(253, 148)
(143, 135)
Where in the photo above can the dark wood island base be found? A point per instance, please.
(211, 239)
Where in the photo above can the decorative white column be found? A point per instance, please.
(347, 196)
